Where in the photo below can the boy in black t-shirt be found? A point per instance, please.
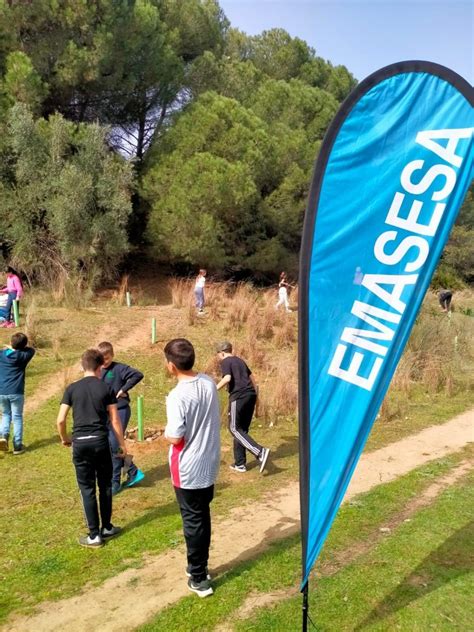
(242, 399)
(92, 405)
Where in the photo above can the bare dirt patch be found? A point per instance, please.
(112, 607)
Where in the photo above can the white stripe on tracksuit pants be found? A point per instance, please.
(240, 417)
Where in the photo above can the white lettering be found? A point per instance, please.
(399, 281)
(352, 373)
(409, 223)
(357, 337)
(428, 179)
(453, 136)
(401, 250)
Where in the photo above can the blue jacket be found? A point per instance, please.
(12, 370)
(121, 377)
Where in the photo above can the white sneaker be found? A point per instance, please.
(238, 468)
(91, 543)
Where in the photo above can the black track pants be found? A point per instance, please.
(194, 505)
(93, 463)
(240, 417)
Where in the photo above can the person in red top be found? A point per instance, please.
(14, 289)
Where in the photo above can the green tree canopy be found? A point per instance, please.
(64, 199)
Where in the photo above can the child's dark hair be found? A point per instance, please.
(106, 348)
(10, 270)
(19, 341)
(91, 360)
(180, 352)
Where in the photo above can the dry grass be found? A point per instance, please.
(181, 290)
(120, 294)
(278, 393)
(32, 323)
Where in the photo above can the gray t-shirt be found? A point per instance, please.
(192, 410)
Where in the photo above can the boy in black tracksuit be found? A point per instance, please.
(242, 399)
(120, 378)
(92, 405)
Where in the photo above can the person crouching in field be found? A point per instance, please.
(193, 430)
(199, 290)
(13, 363)
(445, 298)
(93, 404)
(121, 378)
(242, 399)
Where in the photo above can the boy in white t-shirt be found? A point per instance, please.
(193, 430)
(199, 290)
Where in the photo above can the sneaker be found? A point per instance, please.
(19, 449)
(116, 488)
(208, 577)
(202, 589)
(3, 444)
(263, 458)
(238, 468)
(110, 533)
(133, 480)
(91, 543)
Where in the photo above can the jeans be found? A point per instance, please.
(8, 308)
(117, 460)
(199, 296)
(196, 515)
(12, 407)
(93, 464)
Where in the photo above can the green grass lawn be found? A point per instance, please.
(415, 578)
(40, 513)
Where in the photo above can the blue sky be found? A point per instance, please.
(366, 35)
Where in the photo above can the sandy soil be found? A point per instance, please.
(112, 607)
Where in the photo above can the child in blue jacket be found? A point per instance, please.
(120, 378)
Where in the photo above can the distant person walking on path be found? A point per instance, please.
(93, 404)
(445, 297)
(13, 363)
(14, 289)
(242, 388)
(283, 286)
(199, 290)
(121, 378)
(193, 430)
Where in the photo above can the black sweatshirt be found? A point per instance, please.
(121, 377)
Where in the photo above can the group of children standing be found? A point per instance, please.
(100, 407)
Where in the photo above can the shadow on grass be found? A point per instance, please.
(288, 447)
(42, 443)
(155, 474)
(160, 512)
(452, 559)
(163, 511)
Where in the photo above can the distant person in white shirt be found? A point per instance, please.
(283, 286)
(199, 290)
(193, 429)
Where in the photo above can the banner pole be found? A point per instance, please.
(304, 610)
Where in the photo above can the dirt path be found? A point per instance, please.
(345, 557)
(112, 606)
(139, 336)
